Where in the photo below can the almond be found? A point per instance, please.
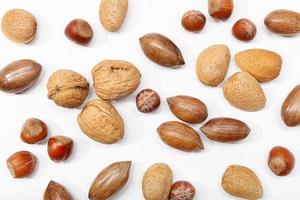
(242, 182)
(244, 92)
(290, 110)
(110, 180)
(157, 182)
(180, 136)
(112, 14)
(283, 22)
(212, 65)
(188, 109)
(225, 130)
(263, 64)
(161, 50)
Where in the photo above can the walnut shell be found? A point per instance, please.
(100, 121)
(67, 88)
(115, 79)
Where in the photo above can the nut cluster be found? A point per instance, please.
(118, 79)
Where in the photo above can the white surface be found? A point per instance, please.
(141, 143)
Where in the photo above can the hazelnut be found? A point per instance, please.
(182, 190)
(244, 29)
(193, 21)
(79, 31)
(60, 148)
(56, 191)
(21, 164)
(33, 131)
(220, 9)
(67, 88)
(19, 26)
(281, 161)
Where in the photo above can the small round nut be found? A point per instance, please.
(281, 161)
(60, 148)
(193, 20)
(34, 131)
(182, 190)
(21, 164)
(67, 88)
(19, 26)
(79, 31)
(244, 29)
(147, 101)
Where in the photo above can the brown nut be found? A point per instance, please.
(182, 190)
(157, 182)
(283, 22)
(225, 130)
(244, 29)
(67, 88)
(19, 26)
(240, 181)
(100, 121)
(188, 109)
(193, 20)
(281, 161)
(60, 148)
(112, 14)
(79, 31)
(19, 75)
(244, 92)
(290, 109)
(56, 191)
(21, 164)
(147, 101)
(34, 131)
(180, 136)
(161, 50)
(115, 79)
(220, 9)
(110, 180)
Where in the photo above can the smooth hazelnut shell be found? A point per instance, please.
(220, 9)
(281, 161)
(79, 31)
(60, 148)
(193, 21)
(21, 164)
(244, 30)
(33, 131)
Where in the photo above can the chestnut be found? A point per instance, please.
(21, 164)
(281, 161)
(244, 29)
(33, 131)
(60, 148)
(193, 21)
(79, 31)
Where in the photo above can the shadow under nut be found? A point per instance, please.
(19, 26)
(19, 75)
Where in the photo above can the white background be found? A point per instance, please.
(141, 143)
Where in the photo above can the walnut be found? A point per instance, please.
(100, 121)
(67, 88)
(115, 79)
